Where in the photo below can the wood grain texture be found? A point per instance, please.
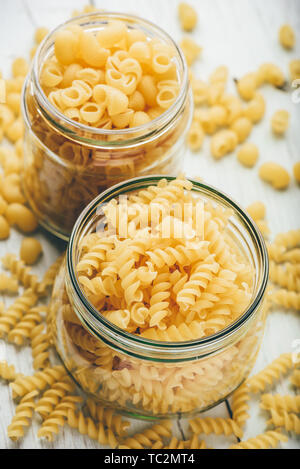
(241, 34)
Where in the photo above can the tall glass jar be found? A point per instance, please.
(67, 164)
(148, 378)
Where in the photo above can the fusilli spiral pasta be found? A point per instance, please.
(22, 417)
(289, 421)
(8, 284)
(270, 439)
(16, 311)
(22, 273)
(7, 372)
(146, 438)
(40, 380)
(240, 405)
(280, 403)
(217, 425)
(281, 365)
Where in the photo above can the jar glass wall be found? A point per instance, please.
(67, 163)
(150, 378)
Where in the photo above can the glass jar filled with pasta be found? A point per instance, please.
(158, 307)
(107, 99)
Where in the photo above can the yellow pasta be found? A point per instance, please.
(22, 217)
(4, 228)
(246, 86)
(240, 405)
(294, 67)
(270, 73)
(22, 273)
(7, 372)
(248, 154)
(280, 403)
(242, 127)
(190, 49)
(296, 171)
(30, 250)
(217, 425)
(295, 378)
(195, 136)
(270, 439)
(280, 122)
(22, 417)
(257, 210)
(274, 174)
(281, 365)
(289, 421)
(287, 299)
(286, 36)
(15, 312)
(187, 16)
(222, 143)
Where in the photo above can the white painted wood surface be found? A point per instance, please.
(241, 34)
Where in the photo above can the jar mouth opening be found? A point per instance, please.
(93, 319)
(143, 130)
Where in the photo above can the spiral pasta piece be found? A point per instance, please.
(23, 328)
(7, 372)
(289, 240)
(287, 299)
(40, 380)
(280, 403)
(284, 278)
(40, 343)
(81, 337)
(176, 333)
(22, 273)
(107, 417)
(87, 426)
(289, 421)
(270, 439)
(58, 417)
(49, 276)
(217, 425)
(146, 438)
(240, 405)
(16, 311)
(22, 417)
(271, 373)
(51, 397)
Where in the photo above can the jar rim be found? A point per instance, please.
(144, 130)
(92, 319)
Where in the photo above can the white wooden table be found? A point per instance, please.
(241, 34)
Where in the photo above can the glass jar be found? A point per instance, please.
(67, 164)
(147, 378)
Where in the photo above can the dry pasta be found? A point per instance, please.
(289, 421)
(215, 425)
(240, 405)
(286, 36)
(269, 439)
(248, 154)
(187, 16)
(280, 122)
(8, 284)
(281, 365)
(296, 171)
(7, 372)
(280, 403)
(274, 174)
(22, 417)
(30, 250)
